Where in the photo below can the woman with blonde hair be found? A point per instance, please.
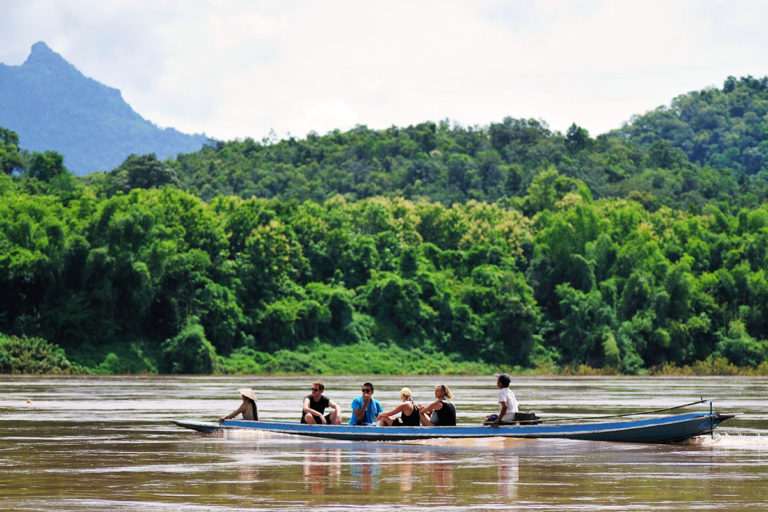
(440, 412)
(409, 412)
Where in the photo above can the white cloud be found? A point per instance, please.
(240, 68)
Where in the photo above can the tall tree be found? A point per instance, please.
(46, 166)
(10, 158)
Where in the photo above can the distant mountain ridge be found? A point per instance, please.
(53, 106)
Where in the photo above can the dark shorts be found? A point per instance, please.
(327, 418)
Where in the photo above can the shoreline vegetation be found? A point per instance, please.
(34, 356)
(433, 248)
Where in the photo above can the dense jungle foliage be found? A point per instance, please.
(426, 249)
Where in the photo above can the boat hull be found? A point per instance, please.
(657, 430)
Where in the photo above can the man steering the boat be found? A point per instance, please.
(507, 402)
(315, 404)
(365, 408)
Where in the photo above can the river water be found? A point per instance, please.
(101, 443)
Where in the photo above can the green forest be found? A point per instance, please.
(426, 249)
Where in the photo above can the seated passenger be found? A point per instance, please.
(507, 402)
(440, 412)
(248, 407)
(365, 408)
(315, 404)
(409, 412)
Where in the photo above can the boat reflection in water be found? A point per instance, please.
(508, 476)
(402, 471)
(321, 468)
(364, 469)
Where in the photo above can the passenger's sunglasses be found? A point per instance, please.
(315, 389)
(366, 390)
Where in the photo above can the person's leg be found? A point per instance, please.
(426, 421)
(310, 418)
(335, 418)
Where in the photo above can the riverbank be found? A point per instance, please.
(36, 356)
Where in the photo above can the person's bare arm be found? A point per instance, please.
(308, 409)
(394, 411)
(335, 407)
(359, 413)
(434, 406)
(233, 413)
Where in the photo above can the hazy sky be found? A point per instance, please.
(238, 68)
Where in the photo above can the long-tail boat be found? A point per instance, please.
(664, 429)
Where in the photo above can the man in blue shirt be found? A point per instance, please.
(365, 408)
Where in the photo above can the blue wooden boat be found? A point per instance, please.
(665, 429)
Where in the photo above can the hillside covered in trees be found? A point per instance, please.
(448, 164)
(724, 128)
(424, 249)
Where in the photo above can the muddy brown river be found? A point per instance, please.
(100, 443)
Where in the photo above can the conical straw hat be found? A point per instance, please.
(248, 392)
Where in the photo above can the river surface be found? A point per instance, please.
(101, 443)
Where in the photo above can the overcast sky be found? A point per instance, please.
(238, 68)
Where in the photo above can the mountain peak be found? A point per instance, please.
(42, 55)
(53, 106)
(40, 47)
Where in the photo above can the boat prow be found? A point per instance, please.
(200, 426)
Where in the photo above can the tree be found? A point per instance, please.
(47, 165)
(586, 330)
(23, 355)
(577, 138)
(142, 171)
(10, 158)
(739, 347)
(546, 189)
(636, 296)
(220, 315)
(665, 156)
(189, 351)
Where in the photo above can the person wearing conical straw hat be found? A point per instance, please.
(247, 408)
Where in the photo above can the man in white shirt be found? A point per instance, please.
(507, 401)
